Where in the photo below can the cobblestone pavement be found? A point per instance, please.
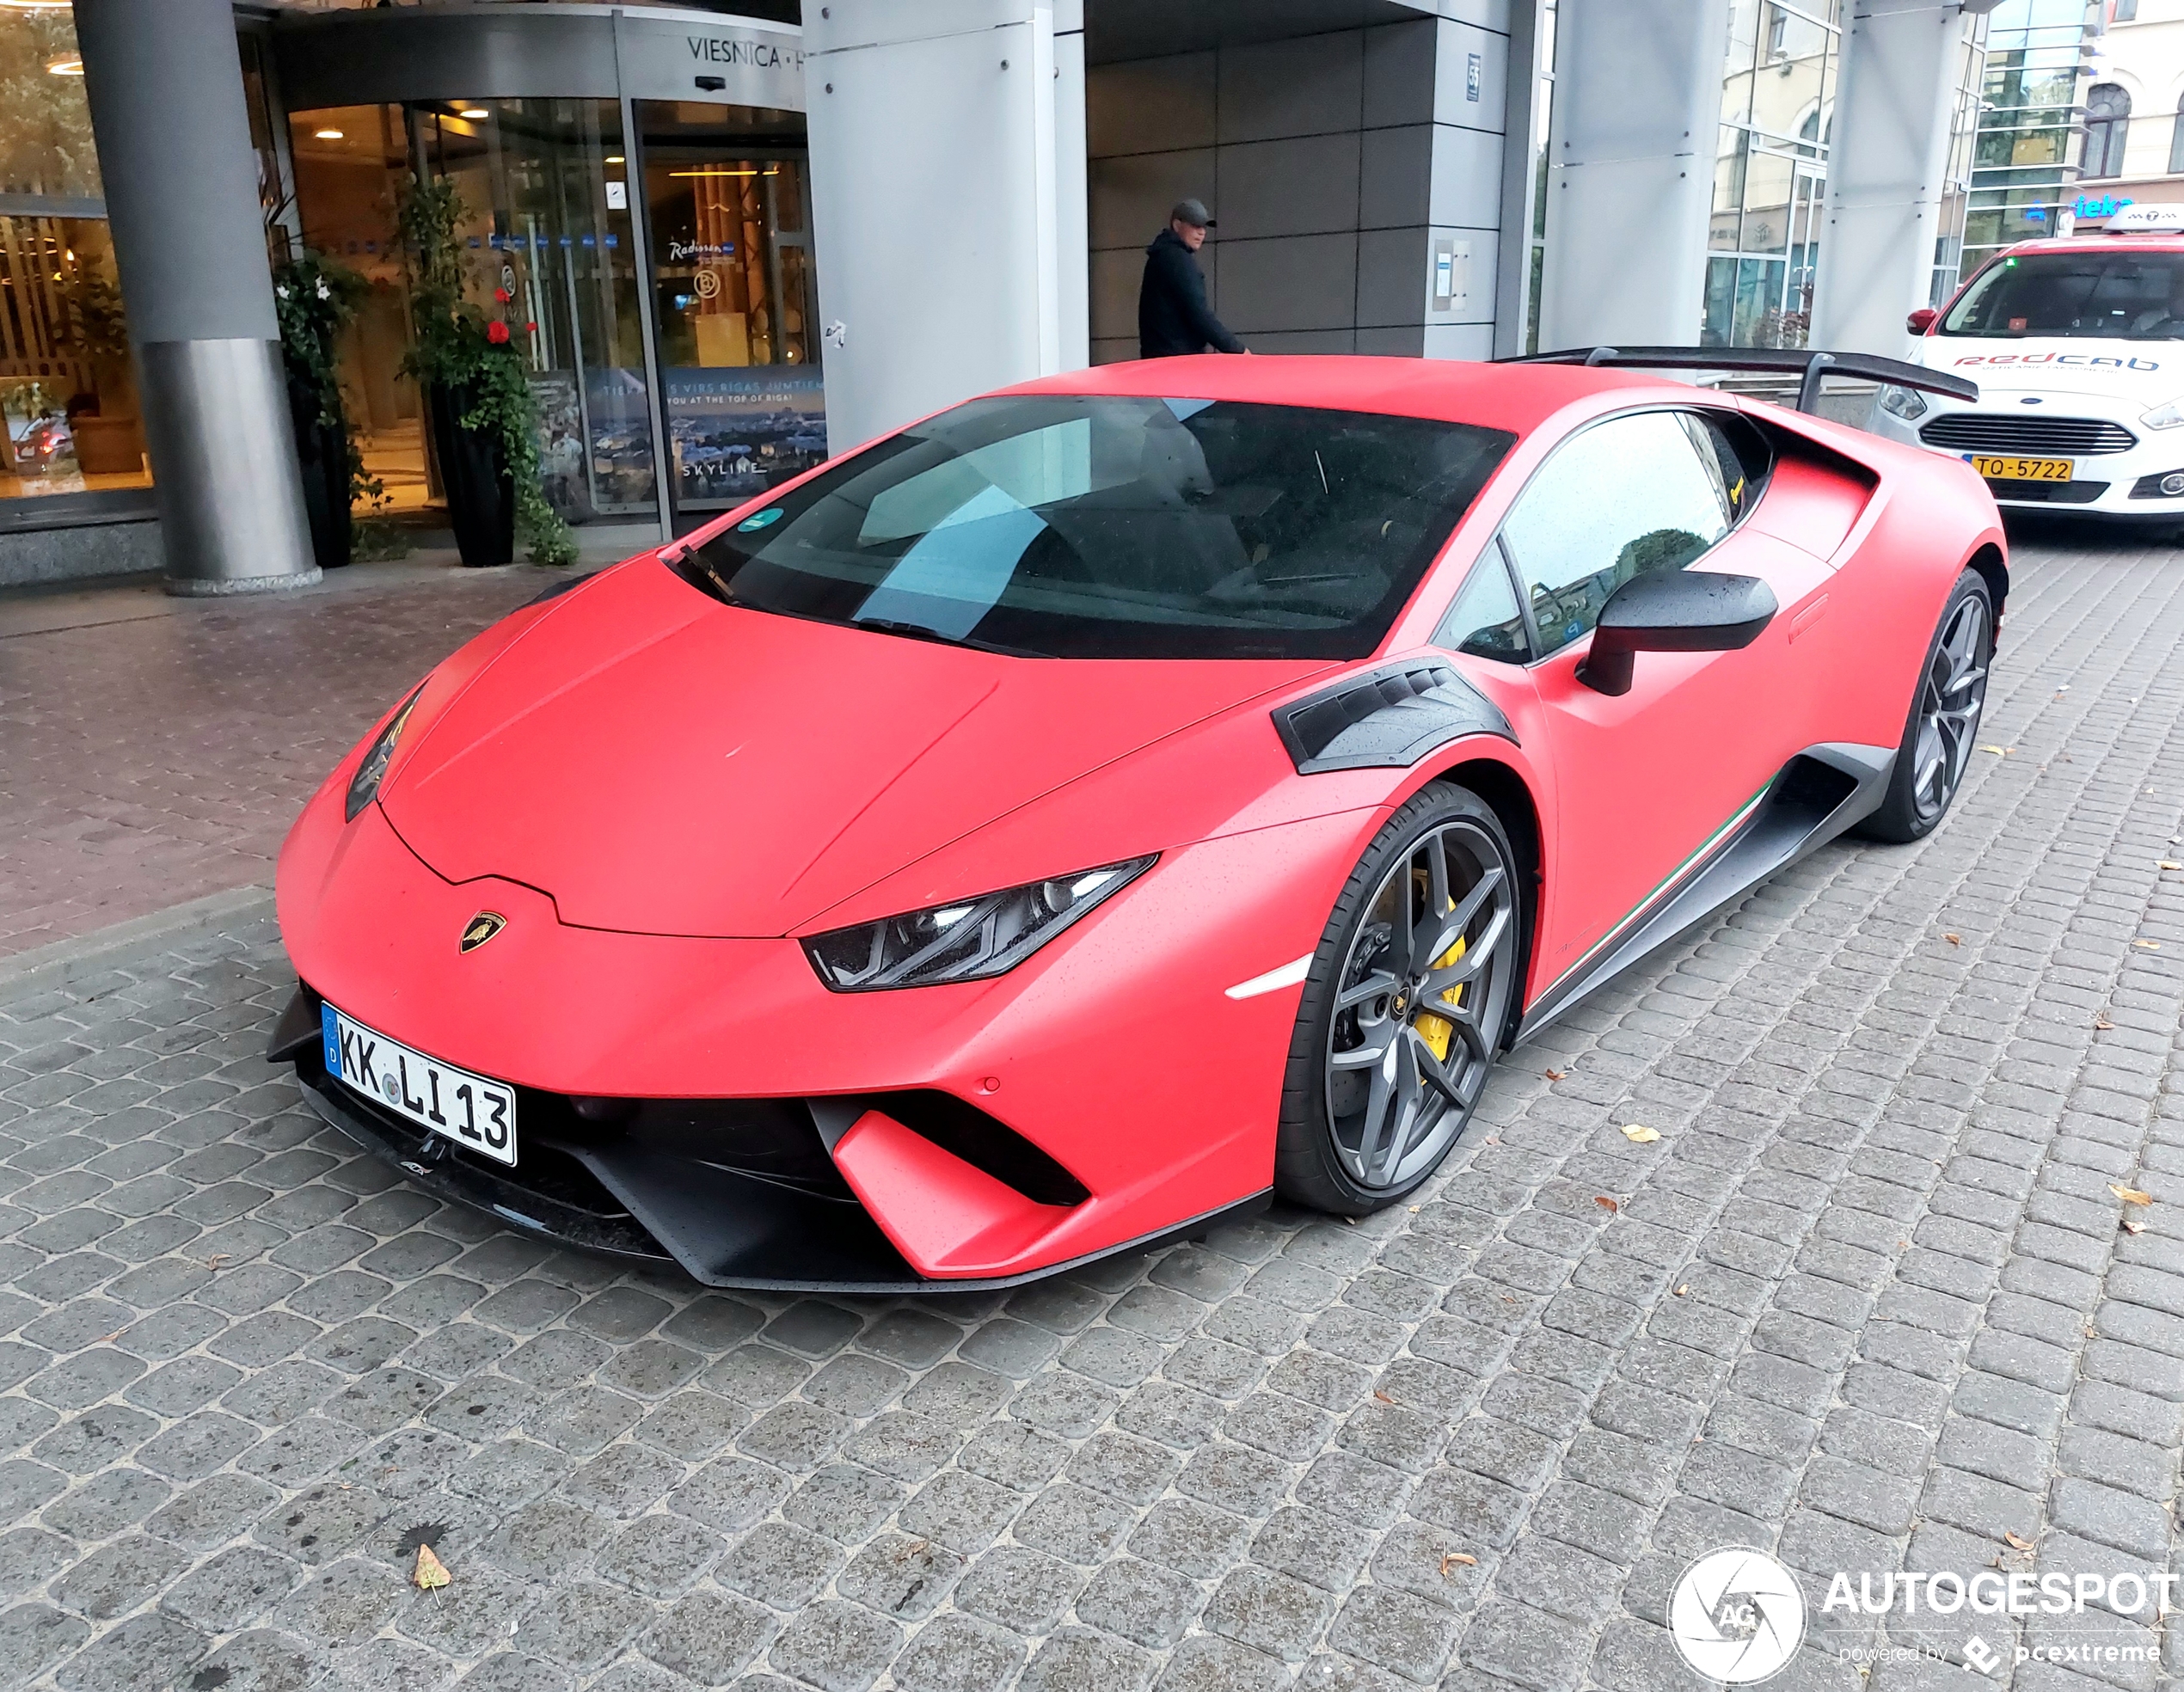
(1866, 1303)
(153, 750)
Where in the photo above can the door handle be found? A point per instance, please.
(1806, 618)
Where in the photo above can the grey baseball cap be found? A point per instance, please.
(1192, 211)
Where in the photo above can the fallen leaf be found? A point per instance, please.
(1638, 1134)
(1999, 751)
(1953, 939)
(1555, 1074)
(1350, 1221)
(109, 1339)
(1604, 1202)
(2131, 1195)
(216, 1259)
(2101, 1025)
(2020, 1544)
(2150, 945)
(1382, 1397)
(2132, 1225)
(1413, 1209)
(430, 1572)
(1682, 1288)
(2170, 864)
(1451, 1559)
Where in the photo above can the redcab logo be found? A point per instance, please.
(2097, 359)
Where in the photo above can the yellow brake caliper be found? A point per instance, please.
(1436, 1030)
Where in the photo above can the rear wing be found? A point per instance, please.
(1808, 366)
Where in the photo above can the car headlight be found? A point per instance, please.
(970, 939)
(1903, 402)
(2165, 416)
(364, 785)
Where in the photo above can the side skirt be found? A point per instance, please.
(1818, 794)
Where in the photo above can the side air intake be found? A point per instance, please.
(1388, 718)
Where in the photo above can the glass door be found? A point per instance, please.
(545, 184)
(734, 297)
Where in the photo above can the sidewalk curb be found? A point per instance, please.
(44, 967)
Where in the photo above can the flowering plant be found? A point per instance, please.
(314, 298)
(462, 349)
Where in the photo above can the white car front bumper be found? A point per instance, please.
(2117, 462)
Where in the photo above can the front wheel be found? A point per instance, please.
(1404, 1007)
(1944, 721)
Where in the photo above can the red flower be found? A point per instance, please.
(531, 328)
(502, 295)
(497, 332)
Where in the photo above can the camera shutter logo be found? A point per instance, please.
(1737, 1615)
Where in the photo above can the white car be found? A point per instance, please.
(2077, 348)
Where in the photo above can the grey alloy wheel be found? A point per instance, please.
(1951, 694)
(1418, 1005)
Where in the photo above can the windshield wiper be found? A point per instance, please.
(919, 631)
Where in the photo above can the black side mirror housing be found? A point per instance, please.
(1673, 610)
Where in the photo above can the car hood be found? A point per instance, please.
(660, 763)
(2139, 373)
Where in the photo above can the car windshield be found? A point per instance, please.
(2084, 293)
(1080, 526)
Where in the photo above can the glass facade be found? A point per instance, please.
(1770, 171)
(2025, 157)
(68, 420)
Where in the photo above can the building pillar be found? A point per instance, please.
(164, 80)
(948, 200)
(1631, 171)
(1888, 171)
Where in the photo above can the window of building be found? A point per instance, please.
(2108, 123)
(2126, 11)
(2028, 101)
(1626, 496)
(68, 420)
(1770, 171)
(2176, 142)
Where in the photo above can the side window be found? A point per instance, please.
(1486, 620)
(1745, 459)
(1630, 495)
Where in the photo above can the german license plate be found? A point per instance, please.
(2002, 467)
(473, 1112)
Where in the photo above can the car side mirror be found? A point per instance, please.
(1673, 610)
(1922, 320)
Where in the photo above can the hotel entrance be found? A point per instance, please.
(650, 228)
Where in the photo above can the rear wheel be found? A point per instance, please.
(1404, 1009)
(1938, 738)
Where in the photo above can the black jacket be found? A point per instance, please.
(1172, 317)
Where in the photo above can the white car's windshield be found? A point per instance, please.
(2084, 292)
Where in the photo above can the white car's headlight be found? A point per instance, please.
(2167, 416)
(968, 941)
(1903, 402)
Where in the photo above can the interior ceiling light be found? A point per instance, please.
(474, 112)
(65, 67)
(712, 173)
(614, 158)
(327, 134)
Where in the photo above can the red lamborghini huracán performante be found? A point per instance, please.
(1112, 802)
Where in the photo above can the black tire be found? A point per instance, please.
(1357, 1136)
(1944, 726)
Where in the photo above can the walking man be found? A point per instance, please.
(1172, 317)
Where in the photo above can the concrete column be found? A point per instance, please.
(1887, 166)
(948, 200)
(165, 83)
(1631, 171)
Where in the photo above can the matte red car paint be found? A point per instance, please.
(576, 768)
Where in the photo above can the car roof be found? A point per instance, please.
(2076, 243)
(1517, 397)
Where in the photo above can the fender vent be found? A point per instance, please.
(1388, 718)
(959, 1127)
